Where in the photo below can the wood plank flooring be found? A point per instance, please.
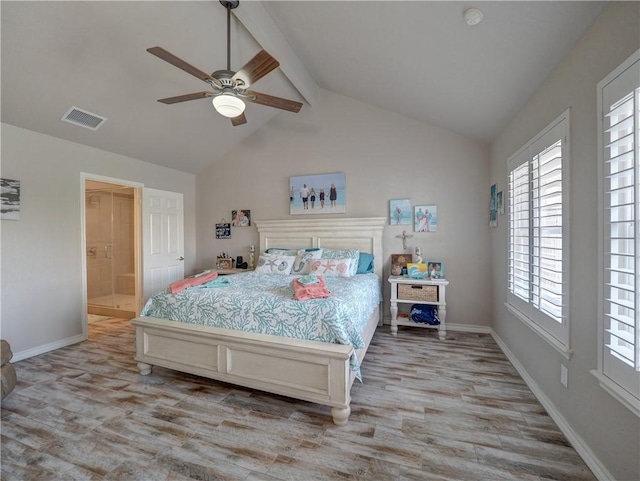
(427, 410)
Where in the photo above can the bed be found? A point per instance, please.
(310, 370)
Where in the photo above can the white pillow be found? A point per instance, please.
(304, 258)
(275, 264)
(332, 267)
(343, 254)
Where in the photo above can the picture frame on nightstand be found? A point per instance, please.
(399, 262)
(435, 269)
(224, 263)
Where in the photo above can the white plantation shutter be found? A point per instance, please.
(620, 185)
(538, 233)
(619, 107)
(519, 235)
(547, 228)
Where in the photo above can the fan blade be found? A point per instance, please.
(256, 68)
(239, 120)
(178, 62)
(271, 101)
(184, 98)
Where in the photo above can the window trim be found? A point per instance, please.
(618, 392)
(557, 345)
(515, 305)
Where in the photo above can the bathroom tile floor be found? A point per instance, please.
(427, 410)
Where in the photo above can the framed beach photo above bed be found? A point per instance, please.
(318, 194)
(425, 218)
(400, 212)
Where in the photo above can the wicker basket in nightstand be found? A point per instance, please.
(416, 292)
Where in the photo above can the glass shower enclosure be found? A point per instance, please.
(110, 249)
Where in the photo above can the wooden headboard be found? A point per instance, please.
(364, 234)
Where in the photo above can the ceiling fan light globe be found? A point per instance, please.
(228, 105)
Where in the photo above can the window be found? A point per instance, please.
(619, 240)
(538, 234)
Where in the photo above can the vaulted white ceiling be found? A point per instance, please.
(419, 59)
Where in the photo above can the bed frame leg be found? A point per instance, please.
(144, 368)
(341, 415)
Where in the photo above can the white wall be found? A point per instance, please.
(42, 252)
(384, 156)
(611, 431)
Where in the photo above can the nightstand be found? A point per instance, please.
(405, 290)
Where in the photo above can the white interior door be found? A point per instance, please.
(163, 240)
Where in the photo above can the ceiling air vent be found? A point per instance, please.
(83, 118)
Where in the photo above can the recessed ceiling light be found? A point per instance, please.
(473, 16)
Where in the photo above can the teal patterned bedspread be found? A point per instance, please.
(264, 303)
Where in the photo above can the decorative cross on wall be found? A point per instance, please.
(404, 238)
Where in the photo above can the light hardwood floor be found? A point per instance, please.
(427, 410)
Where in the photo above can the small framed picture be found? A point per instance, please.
(241, 218)
(399, 262)
(223, 230)
(224, 263)
(10, 199)
(500, 203)
(435, 269)
(417, 270)
(400, 212)
(425, 218)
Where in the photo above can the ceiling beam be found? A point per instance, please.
(258, 22)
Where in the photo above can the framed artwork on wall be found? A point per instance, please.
(318, 194)
(223, 230)
(493, 210)
(10, 199)
(400, 212)
(500, 203)
(241, 218)
(425, 218)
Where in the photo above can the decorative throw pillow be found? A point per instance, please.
(275, 264)
(344, 254)
(304, 258)
(365, 263)
(332, 267)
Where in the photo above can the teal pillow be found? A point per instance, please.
(365, 263)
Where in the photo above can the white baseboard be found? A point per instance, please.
(19, 356)
(581, 447)
(469, 328)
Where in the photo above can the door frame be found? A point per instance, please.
(137, 186)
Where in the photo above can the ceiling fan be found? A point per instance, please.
(230, 88)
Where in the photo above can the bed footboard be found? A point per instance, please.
(308, 370)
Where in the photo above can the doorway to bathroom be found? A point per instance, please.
(111, 237)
